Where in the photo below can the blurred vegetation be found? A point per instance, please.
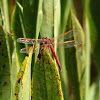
(32, 76)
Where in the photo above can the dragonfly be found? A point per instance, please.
(50, 43)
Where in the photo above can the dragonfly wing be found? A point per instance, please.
(68, 44)
(72, 33)
(28, 40)
(26, 50)
(67, 35)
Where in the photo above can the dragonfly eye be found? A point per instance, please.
(45, 37)
(46, 42)
(41, 43)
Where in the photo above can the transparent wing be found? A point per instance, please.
(28, 40)
(67, 35)
(68, 44)
(26, 50)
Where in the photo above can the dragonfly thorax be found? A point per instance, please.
(46, 41)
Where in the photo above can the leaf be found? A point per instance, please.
(39, 17)
(17, 31)
(0, 15)
(24, 79)
(5, 12)
(94, 93)
(88, 60)
(16, 22)
(75, 60)
(93, 18)
(47, 26)
(5, 74)
(46, 79)
(30, 12)
(56, 17)
(65, 6)
(32, 17)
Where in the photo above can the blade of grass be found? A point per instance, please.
(94, 93)
(17, 31)
(0, 15)
(87, 74)
(94, 27)
(30, 12)
(6, 15)
(65, 6)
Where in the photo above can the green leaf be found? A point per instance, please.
(30, 12)
(88, 63)
(39, 18)
(64, 7)
(56, 17)
(75, 60)
(6, 15)
(47, 26)
(0, 16)
(92, 18)
(46, 79)
(94, 27)
(94, 93)
(17, 31)
(24, 79)
(32, 17)
(16, 22)
(5, 74)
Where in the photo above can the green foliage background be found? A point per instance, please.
(26, 77)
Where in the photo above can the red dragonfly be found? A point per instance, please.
(46, 42)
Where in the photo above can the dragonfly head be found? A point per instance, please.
(44, 38)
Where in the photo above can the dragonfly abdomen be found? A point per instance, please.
(55, 56)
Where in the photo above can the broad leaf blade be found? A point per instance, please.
(46, 79)
(24, 78)
(75, 60)
(5, 74)
(47, 26)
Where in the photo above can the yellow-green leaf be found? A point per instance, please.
(46, 79)
(23, 82)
